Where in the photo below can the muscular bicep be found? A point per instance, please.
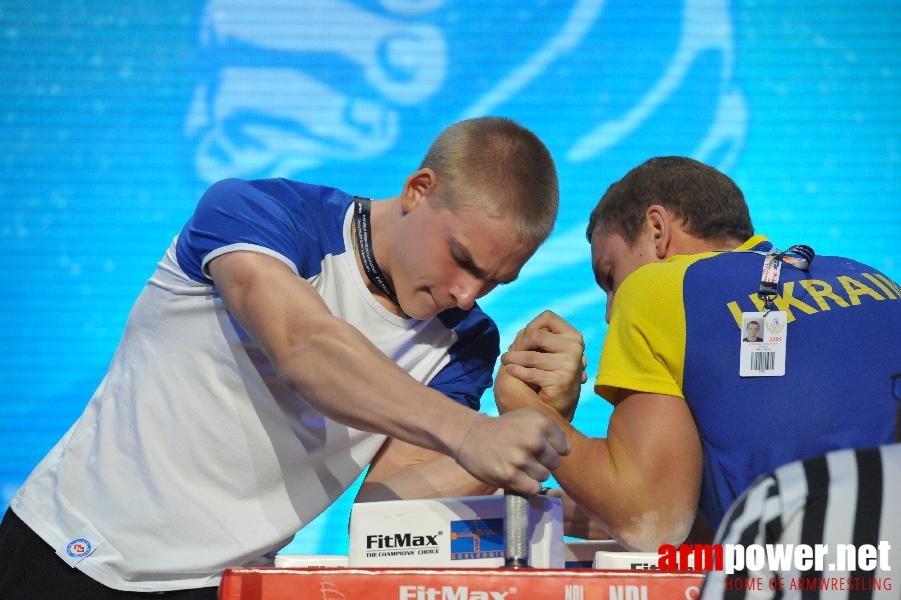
(275, 306)
(404, 471)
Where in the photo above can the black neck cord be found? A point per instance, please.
(364, 243)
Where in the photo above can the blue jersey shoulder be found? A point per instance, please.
(472, 357)
(301, 222)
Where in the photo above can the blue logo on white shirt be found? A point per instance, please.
(79, 548)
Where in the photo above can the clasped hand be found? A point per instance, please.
(545, 363)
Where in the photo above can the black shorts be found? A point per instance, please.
(31, 570)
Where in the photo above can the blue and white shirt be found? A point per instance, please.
(193, 455)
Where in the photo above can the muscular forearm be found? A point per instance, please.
(339, 371)
(610, 487)
(642, 496)
(329, 362)
(439, 478)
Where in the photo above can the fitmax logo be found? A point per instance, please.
(449, 592)
(400, 540)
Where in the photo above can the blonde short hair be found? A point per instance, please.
(502, 166)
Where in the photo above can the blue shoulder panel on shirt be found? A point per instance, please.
(473, 356)
(302, 222)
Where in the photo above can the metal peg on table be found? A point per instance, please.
(516, 531)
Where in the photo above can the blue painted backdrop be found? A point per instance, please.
(115, 115)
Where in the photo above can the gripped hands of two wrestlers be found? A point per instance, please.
(544, 367)
(548, 355)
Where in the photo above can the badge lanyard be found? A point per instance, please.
(364, 243)
(798, 256)
(764, 334)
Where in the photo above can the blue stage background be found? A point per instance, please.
(115, 115)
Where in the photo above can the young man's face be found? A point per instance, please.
(753, 330)
(612, 260)
(451, 260)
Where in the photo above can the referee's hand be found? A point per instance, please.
(516, 451)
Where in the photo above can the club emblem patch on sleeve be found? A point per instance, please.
(79, 548)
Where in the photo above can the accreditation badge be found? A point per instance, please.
(763, 336)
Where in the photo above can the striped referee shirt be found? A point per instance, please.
(843, 498)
